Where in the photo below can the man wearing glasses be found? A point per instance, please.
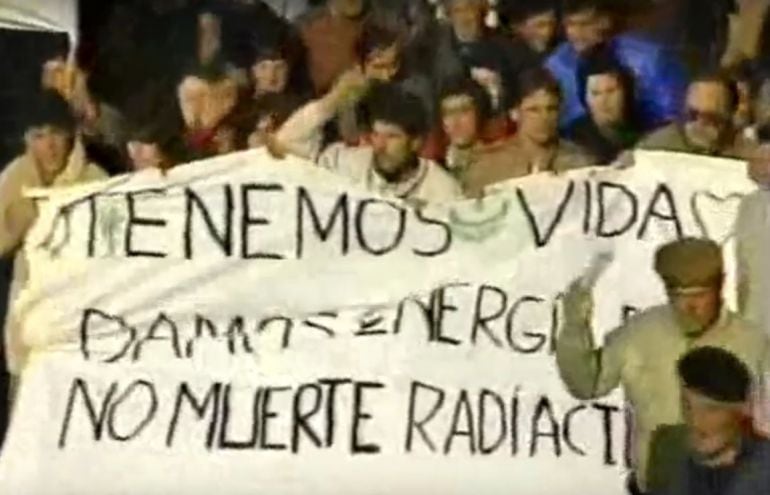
(706, 125)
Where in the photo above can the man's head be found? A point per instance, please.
(270, 70)
(715, 394)
(347, 8)
(536, 107)
(708, 121)
(398, 124)
(49, 132)
(464, 107)
(536, 23)
(467, 18)
(693, 272)
(380, 51)
(587, 23)
(606, 89)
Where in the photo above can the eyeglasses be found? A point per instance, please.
(711, 118)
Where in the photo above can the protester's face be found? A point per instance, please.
(145, 155)
(586, 29)
(467, 18)
(606, 99)
(708, 116)
(394, 149)
(383, 65)
(759, 165)
(713, 428)
(460, 120)
(50, 147)
(539, 31)
(538, 117)
(697, 311)
(348, 8)
(270, 76)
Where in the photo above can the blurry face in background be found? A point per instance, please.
(713, 428)
(348, 8)
(538, 117)
(383, 65)
(270, 76)
(697, 311)
(145, 155)
(606, 99)
(709, 117)
(467, 17)
(538, 31)
(460, 120)
(50, 147)
(394, 150)
(586, 29)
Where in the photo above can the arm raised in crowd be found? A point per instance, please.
(587, 371)
(301, 134)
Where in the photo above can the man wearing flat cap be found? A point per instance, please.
(642, 354)
(723, 457)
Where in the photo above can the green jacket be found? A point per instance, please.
(641, 355)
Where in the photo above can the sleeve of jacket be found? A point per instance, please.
(587, 371)
(662, 89)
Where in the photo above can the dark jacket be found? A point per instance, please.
(750, 475)
(585, 133)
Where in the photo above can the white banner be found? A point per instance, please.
(41, 15)
(245, 326)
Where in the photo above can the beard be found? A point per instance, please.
(393, 170)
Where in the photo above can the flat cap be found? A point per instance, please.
(689, 263)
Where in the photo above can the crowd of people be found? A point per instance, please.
(432, 101)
